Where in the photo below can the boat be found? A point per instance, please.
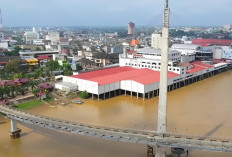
(78, 102)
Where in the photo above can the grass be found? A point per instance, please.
(29, 104)
(1, 115)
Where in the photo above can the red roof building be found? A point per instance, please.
(199, 66)
(43, 57)
(112, 75)
(209, 42)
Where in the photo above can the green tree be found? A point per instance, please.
(7, 90)
(14, 52)
(33, 84)
(52, 66)
(13, 66)
(67, 69)
(2, 92)
(84, 95)
(35, 91)
(79, 67)
(17, 76)
(22, 90)
(38, 49)
(38, 72)
(12, 89)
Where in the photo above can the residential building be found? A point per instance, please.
(156, 40)
(30, 36)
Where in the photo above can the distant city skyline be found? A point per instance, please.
(114, 13)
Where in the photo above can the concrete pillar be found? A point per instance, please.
(15, 132)
(98, 97)
(162, 109)
(137, 95)
(13, 125)
(150, 151)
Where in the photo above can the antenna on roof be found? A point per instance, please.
(166, 3)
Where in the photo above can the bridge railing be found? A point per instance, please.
(27, 114)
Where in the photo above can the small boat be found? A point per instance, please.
(78, 102)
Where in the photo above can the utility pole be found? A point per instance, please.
(162, 110)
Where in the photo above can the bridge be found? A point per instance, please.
(150, 138)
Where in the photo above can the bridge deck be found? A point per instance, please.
(121, 134)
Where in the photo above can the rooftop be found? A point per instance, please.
(113, 75)
(208, 42)
(199, 66)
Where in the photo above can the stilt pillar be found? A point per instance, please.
(150, 151)
(15, 131)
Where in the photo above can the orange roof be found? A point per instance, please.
(134, 42)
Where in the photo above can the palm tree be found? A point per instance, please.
(2, 92)
(33, 84)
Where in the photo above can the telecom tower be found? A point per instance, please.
(1, 26)
(162, 110)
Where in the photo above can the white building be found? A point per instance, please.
(33, 54)
(38, 42)
(227, 27)
(156, 40)
(188, 51)
(150, 58)
(29, 36)
(54, 37)
(4, 44)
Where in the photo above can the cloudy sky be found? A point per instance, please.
(114, 13)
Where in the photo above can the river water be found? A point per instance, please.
(203, 108)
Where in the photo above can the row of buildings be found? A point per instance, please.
(139, 70)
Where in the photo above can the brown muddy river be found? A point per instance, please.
(203, 108)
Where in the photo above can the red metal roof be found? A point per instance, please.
(42, 57)
(208, 42)
(113, 75)
(199, 66)
(131, 51)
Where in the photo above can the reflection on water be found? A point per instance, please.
(202, 108)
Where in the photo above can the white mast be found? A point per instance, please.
(162, 110)
(1, 25)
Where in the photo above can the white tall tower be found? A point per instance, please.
(1, 26)
(162, 110)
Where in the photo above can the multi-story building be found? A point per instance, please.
(116, 49)
(30, 36)
(156, 40)
(150, 58)
(131, 28)
(38, 42)
(54, 37)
